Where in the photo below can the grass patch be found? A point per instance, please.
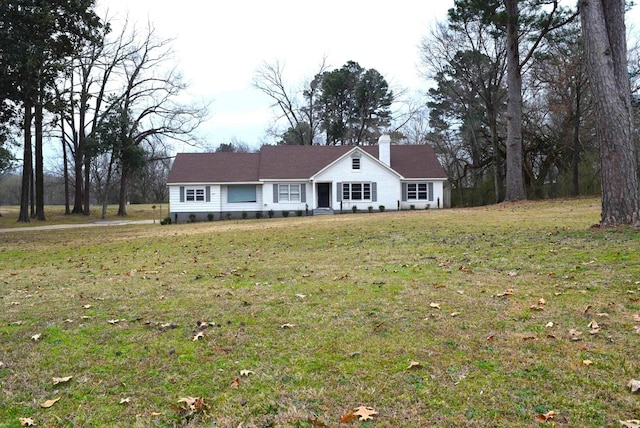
(327, 313)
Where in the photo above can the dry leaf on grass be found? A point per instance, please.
(50, 403)
(287, 325)
(27, 422)
(634, 385)
(549, 324)
(413, 365)
(348, 417)
(631, 423)
(125, 400)
(587, 362)
(235, 383)
(86, 307)
(246, 372)
(57, 380)
(508, 292)
(544, 417)
(36, 337)
(199, 335)
(434, 305)
(364, 413)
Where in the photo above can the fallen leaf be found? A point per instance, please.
(593, 325)
(27, 422)
(49, 403)
(508, 292)
(549, 324)
(116, 321)
(587, 362)
(586, 309)
(364, 413)
(199, 335)
(57, 380)
(287, 325)
(68, 320)
(544, 417)
(154, 414)
(413, 364)
(246, 372)
(235, 383)
(636, 317)
(125, 400)
(631, 423)
(455, 314)
(574, 333)
(434, 305)
(16, 323)
(301, 296)
(348, 417)
(86, 307)
(189, 401)
(36, 337)
(634, 385)
(512, 273)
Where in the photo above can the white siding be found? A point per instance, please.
(278, 207)
(438, 196)
(241, 206)
(388, 183)
(194, 206)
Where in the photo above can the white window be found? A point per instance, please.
(288, 193)
(356, 191)
(194, 195)
(420, 191)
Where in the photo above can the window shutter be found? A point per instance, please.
(430, 188)
(275, 193)
(303, 192)
(374, 191)
(404, 191)
(339, 192)
(207, 193)
(181, 193)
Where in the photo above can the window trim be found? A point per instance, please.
(287, 199)
(194, 194)
(362, 189)
(418, 191)
(246, 187)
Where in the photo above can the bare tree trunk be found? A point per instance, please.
(122, 198)
(515, 179)
(39, 170)
(65, 159)
(27, 167)
(86, 196)
(603, 30)
(575, 156)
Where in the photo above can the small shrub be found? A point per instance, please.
(354, 209)
(299, 213)
(259, 215)
(210, 217)
(192, 218)
(228, 216)
(285, 213)
(165, 221)
(381, 208)
(370, 208)
(412, 207)
(427, 206)
(244, 214)
(270, 213)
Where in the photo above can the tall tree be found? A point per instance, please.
(355, 104)
(36, 38)
(604, 34)
(519, 21)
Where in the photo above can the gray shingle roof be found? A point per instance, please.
(294, 162)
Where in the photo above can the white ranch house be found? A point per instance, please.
(308, 179)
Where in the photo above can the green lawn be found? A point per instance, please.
(484, 317)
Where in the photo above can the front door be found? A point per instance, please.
(324, 195)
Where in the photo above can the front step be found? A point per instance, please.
(322, 211)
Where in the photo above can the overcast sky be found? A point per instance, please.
(219, 45)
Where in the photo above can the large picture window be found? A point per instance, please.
(288, 193)
(356, 191)
(241, 193)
